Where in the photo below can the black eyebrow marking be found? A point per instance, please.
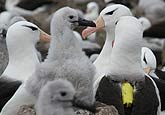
(116, 22)
(144, 59)
(111, 12)
(31, 27)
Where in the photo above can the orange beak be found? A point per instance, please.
(44, 37)
(99, 25)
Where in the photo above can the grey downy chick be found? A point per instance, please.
(56, 98)
(65, 58)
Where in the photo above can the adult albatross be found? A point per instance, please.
(125, 66)
(21, 39)
(106, 20)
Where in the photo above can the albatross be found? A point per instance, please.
(10, 85)
(21, 39)
(148, 62)
(124, 65)
(106, 20)
(65, 58)
(63, 61)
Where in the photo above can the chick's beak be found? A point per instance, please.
(84, 22)
(99, 25)
(44, 37)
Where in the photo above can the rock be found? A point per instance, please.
(102, 109)
(27, 110)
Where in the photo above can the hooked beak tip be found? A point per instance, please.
(99, 24)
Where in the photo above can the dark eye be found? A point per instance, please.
(63, 93)
(111, 12)
(31, 27)
(71, 17)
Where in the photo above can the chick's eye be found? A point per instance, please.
(71, 17)
(63, 93)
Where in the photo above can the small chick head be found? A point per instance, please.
(60, 91)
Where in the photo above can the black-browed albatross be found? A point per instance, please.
(125, 65)
(21, 39)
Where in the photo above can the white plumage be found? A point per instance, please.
(126, 54)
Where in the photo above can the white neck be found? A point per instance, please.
(103, 60)
(125, 62)
(22, 61)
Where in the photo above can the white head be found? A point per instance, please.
(145, 23)
(148, 60)
(5, 17)
(21, 39)
(108, 17)
(23, 32)
(92, 7)
(111, 14)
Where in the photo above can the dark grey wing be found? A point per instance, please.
(145, 98)
(7, 89)
(160, 74)
(33, 4)
(109, 92)
(161, 86)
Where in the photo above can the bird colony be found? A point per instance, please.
(68, 71)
